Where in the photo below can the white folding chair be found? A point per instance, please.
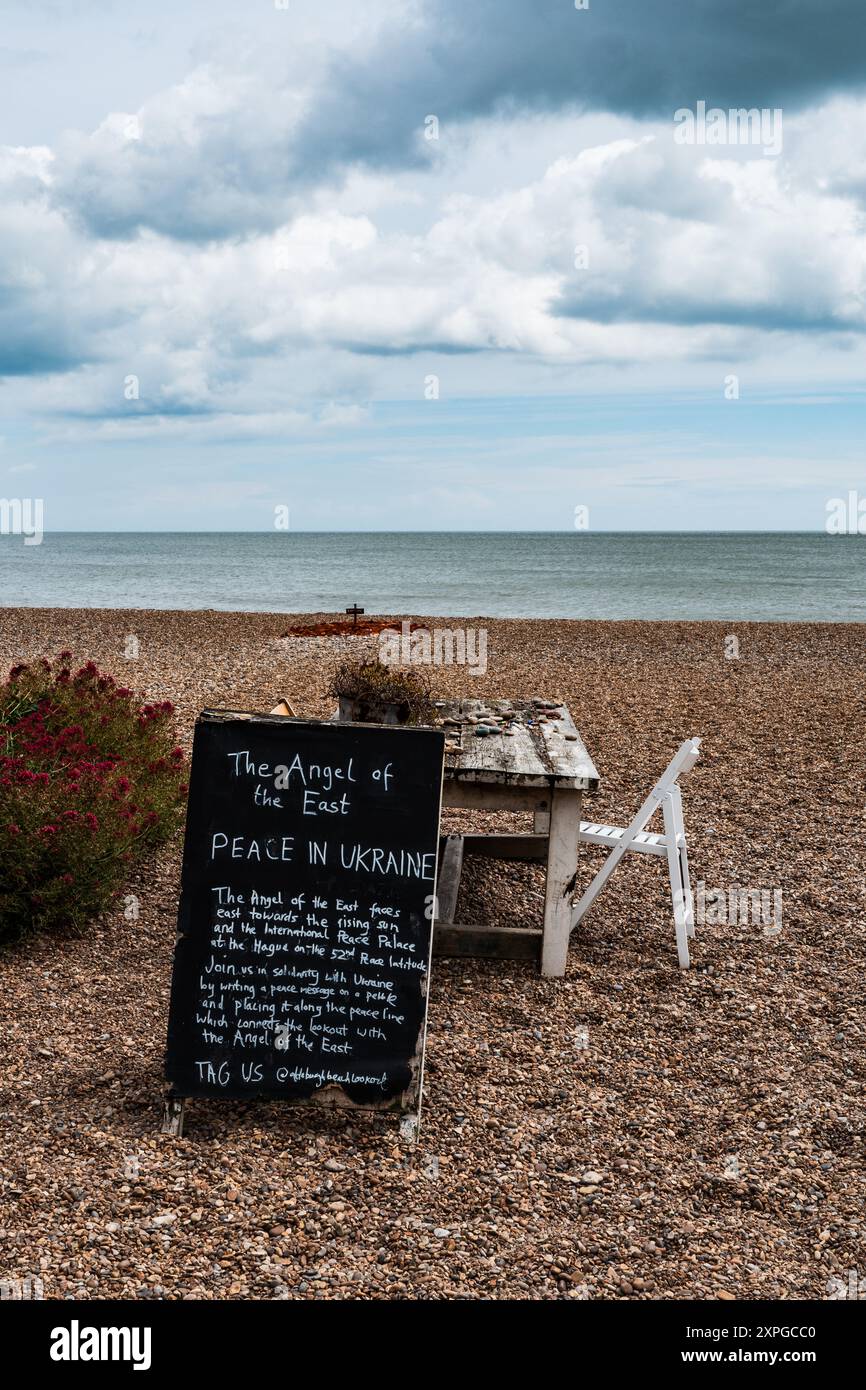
(672, 844)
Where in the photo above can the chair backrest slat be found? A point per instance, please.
(683, 761)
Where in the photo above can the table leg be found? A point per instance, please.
(561, 873)
(173, 1116)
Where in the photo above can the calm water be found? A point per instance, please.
(576, 575)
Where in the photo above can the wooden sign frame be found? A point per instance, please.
(227, 798)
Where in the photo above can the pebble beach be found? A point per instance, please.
(633, 1131)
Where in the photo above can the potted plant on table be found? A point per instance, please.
(370, 692)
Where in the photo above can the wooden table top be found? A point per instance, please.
(542, 747)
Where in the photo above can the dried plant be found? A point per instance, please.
(374, 686)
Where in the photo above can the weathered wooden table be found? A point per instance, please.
(542, 766)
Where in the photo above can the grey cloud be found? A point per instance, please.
(767, 316)
(231, 183)
(410, 348)
(34, 348)
(250, 162)
(627, 57)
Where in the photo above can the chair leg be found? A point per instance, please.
(678, 897)
(684, 859)
(601, 878)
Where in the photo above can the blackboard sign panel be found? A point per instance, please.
(306, 913)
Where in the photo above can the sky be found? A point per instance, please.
(432, 264)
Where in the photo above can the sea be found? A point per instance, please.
(726, 576)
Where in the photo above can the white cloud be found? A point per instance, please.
(692, 258)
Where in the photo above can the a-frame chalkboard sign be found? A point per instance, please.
(306, 914)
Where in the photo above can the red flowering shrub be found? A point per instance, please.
(89, 779)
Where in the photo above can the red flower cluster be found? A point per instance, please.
(89, 778)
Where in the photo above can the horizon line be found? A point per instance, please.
(444, 531)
